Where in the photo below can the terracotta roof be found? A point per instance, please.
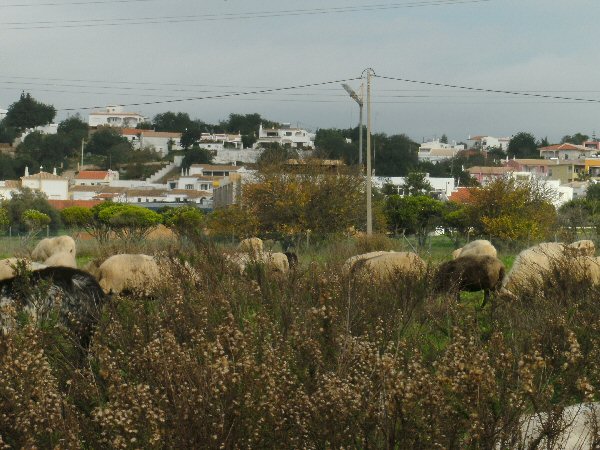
(316, 162)
(43, 176)
(62, 204)
(490, 170)
(565, 146)
(535, 162)
(92, 175)
(476, 138)
(106, 196)
(461, 195)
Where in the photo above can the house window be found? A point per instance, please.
(288, 133)
(189, 186)
(139, 199)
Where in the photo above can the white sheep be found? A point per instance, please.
(7, 266)
(387, 264)
(50, 246)
(253, 246)
(531, 264)
(276, 262)
(574, 428)
(350, 262)
(127, 272)
(479, 247)
(62, 259)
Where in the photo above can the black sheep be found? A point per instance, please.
(470, 273)
(71, 295)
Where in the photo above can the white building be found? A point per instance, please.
(488, 142)
(8, 188)
(285, 136)
(444, 186)
(566, 151)
(435, 151)
(114, 116)
(3, 113)
(226, 139)
(55, 187)
(162, 141)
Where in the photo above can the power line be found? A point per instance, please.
(76, 3)
(218, 96)
(494, 91)
(87, 23)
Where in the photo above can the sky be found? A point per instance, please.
(81, 54)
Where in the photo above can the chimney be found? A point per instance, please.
(26, 171)
(54, 171)
(182, 172)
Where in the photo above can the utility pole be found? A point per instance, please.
(82, 141)
(369, 72)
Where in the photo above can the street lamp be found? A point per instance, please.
(358, 99)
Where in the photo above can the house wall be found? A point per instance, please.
(54, 189)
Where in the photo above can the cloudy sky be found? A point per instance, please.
(79, 54)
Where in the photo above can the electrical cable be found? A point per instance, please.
(86, 23)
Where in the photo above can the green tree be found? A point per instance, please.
(247, 125)
(177, 122)
(332, 144)
(185, 221)
(35, 221)
(416, 183)
(275, 155)
(107, 142)
(28, 113)
(593, 191)
(129, 222)
(394, 155)
(26, 199)
(523, 145)
(73, 130)
(77, 217)
(576, 139)
(444, 139)
(196, 155)
(417, 215)
(7, 133)
(4, 219)
(455, 220)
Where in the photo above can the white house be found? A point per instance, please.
(228, 140)
(162, 141)
(114, 116)
(285, 136)
(8, 188)
(488, 142)
(55, 187)
(435, 151)
(441, 185)
(95, 177)
(566, 151)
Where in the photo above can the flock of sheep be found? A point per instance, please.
(80, 294)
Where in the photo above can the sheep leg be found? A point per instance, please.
(486, 297)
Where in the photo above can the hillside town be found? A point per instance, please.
(565, 168)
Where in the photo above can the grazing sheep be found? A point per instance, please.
(74, 294)
(574, 427)
(127, 272)
(388, 263)
(277, 262)
(7, 266)
(531, 264)
(348, 266)
(253, 246)
(49, 246)
(480, 247)
(470, 273)
(62, 259)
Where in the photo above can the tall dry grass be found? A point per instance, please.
(212, 359)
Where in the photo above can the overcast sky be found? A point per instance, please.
(70, 53)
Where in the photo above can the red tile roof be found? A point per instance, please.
(565, 146)
(62, 204)
(461, 195)
(92, 175)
